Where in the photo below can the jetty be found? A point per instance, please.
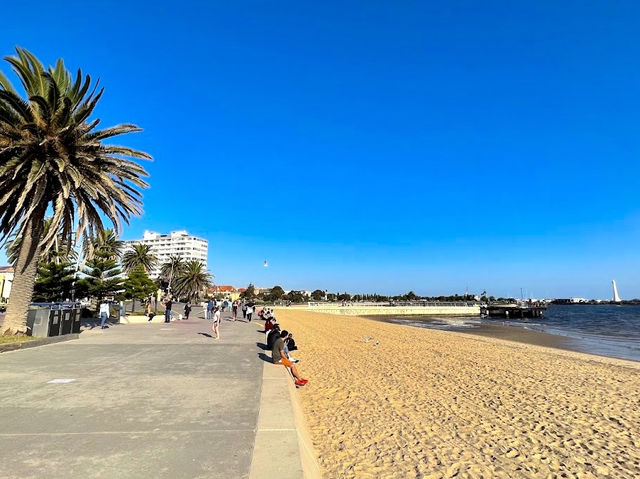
(513, 311)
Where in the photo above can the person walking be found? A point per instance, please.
(249, 311)
(234, 310)
(187, 310)
(104, 313)
(167, 309)
(216, 322)
(244, 309)
(210, 309)
(150, 313)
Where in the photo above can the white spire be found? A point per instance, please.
(616, 296)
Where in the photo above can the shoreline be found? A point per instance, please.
(508, 332)
(418, 402)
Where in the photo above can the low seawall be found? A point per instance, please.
(397, 310)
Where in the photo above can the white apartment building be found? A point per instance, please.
(177, 243)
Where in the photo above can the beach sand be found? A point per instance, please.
(428, 403)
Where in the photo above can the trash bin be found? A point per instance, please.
(38, 322)
(66, 323)
(54, 322)
(75, 320)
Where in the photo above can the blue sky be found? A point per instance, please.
(376, 146)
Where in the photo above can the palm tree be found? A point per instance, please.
(105, 243)
(192, 281)
(172, 269)
(139, 257)
(61, 252)
(52, 158)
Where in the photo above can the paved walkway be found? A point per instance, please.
(150, 400)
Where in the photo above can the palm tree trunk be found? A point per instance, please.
(26, 269)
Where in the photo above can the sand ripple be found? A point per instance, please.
(426, 403)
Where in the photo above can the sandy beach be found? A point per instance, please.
(428, 403)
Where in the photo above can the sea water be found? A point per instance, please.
(606, 330)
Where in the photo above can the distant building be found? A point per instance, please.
(177, 243)
(6, 280)
(226, 291)
(570, 300)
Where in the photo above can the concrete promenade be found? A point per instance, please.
(150, 400)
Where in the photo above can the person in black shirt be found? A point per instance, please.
(272, 336)
(290, 343)
(167, 309)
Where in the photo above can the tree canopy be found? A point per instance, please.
(54, 159)
(139, 256)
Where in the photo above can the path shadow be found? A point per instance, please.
(261, 346)
(264, 357)
(260, 330)
(206, 334)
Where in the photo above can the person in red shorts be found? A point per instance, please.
(279, 357)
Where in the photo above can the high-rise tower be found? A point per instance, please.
(178, 243)
(616, 296)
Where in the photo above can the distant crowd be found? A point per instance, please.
(280, 342)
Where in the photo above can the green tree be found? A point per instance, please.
(52, 158)
(192, 282)
(171, 269)
(317, 295)
(54, 281)
(101, 277)
(138, 286)
(296, 297)
(105, 243)
(411, 296)
(250, 293)
(61, 251)
(140, 256)
(344, 297)
(276, 294)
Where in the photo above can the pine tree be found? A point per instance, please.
(53, 282)
(102, 277)
(138, 286)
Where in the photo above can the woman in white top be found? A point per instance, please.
(249, 311)
(216, 322)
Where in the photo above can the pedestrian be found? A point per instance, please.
(210, 309)
(150, 312)
(278, 356)
(167, 309)
(104, 313)
(244, 309)
(216, 322)
(234, 310)
(249, 311)
(187, 310)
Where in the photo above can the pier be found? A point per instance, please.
(513, 311)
